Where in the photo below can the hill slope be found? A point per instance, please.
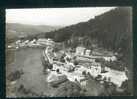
(111, 30)
(15, 30)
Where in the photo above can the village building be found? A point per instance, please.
(115, 76)
(83, 51)
(88, 52)
(9, 46)
(83, 83)
(95, 70)
(18, 41)
(26, 41)
(85, 59)
(44, 42)
(110, 58)
(33, 41)
(50, 40)
(80, 50)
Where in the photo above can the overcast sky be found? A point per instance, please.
(54, 16)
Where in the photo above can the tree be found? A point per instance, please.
(76, 62)
(84, 73)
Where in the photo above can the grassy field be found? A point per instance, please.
(29, 61)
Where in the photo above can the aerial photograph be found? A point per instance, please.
(69, 52)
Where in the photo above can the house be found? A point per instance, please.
(18, 41)
(26, 42)
(95, 70)
(50, 41)
(83, 51)
(113, 58)
(9, 46)
(80, 50)
(110, 58)
(88, 52)
(115, 76)
(84, 59)
(42, 41)
(33, 41)
(83, 83)
(69, 67)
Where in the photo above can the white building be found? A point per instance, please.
(110, 58)
(87, 52)
(116, 77)
(44, 41)
(33, 41)
(85, 59)
(18, 41)
(95, 70)
(83, 83)
(26, 42)
(9, 46)
(80, 50)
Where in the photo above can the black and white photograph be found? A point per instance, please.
(69, 52)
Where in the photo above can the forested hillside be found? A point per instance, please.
(111, 30)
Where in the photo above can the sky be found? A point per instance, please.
(53, 16)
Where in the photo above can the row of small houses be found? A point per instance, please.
(32, 43)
